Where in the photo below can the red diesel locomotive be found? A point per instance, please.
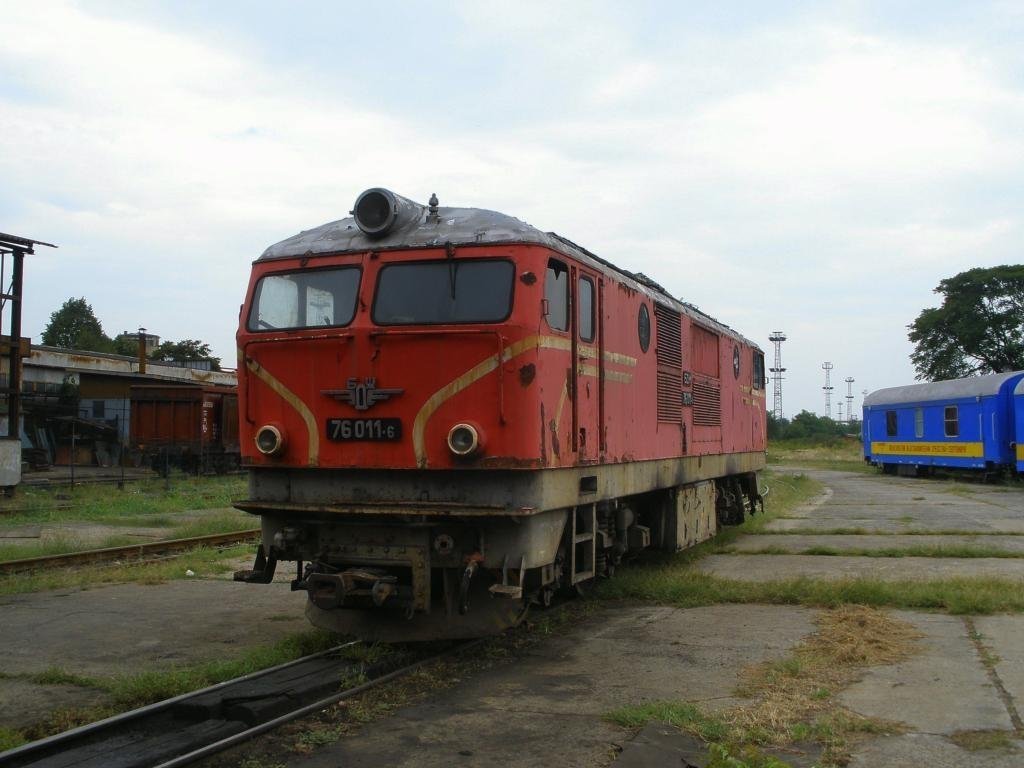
(448, 415)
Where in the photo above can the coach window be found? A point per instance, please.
(919, 422)
(890, 423)
(952, 419)
(586, 302)
(556, 295)
(759, 379)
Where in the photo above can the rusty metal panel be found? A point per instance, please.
(692, 515)
(705, 351)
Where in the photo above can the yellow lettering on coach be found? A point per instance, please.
(958, 450)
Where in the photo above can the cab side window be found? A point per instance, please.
(585, 297)
(556, 295)
(758, 366)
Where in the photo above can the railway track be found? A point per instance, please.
(144, 551)
(187, 728)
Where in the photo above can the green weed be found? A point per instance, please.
(684, 716)
(675, 585)
(932, 550)
(58, 676)
(9, 739)
(203, 561)
(103, 503)
(131, 691)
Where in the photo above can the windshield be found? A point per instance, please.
(449, 291)
(305, 299)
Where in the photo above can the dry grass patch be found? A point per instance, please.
(979, 741)
(794, 699)
(845, 454)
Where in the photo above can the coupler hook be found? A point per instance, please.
(467, 577)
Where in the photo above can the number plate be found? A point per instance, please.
(346, 430)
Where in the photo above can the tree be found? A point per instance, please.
(185, 350)
(127, 345)
(807, 426)
(74, 326)
(978, 329)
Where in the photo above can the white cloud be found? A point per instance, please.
(763, 176)
(634, 80)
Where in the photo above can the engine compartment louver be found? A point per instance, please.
(707, 404)
(669, 357)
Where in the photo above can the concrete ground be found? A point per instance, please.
(876, 503)
(547, 707)
(129, 628)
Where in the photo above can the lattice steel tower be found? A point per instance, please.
(849, 398)
(827, 389)
(777, 338)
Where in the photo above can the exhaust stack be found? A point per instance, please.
(377, 211)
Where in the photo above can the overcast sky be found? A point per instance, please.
(806, 167)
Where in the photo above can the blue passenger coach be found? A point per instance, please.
(961, 424)
(1018, 414)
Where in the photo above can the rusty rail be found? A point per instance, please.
(168, 734)
(129, 552)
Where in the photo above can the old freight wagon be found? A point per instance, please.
(194, 428)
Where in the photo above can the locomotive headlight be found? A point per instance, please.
(464, 440)
(269, 440)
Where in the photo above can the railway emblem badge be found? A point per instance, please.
(361, 395)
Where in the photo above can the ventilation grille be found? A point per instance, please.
(670, 406)
(669, 356)
(707, 404)
(669, 327)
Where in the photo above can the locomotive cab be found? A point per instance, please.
(445, 414)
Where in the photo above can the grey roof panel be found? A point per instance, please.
(973, 386)
(458, 226)
(469, 226)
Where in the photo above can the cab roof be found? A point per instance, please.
(465, 227)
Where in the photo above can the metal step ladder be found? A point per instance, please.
(584, 542)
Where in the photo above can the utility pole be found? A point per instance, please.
(827, 389)
(849, 398)
(777, 338)
(15, 248)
